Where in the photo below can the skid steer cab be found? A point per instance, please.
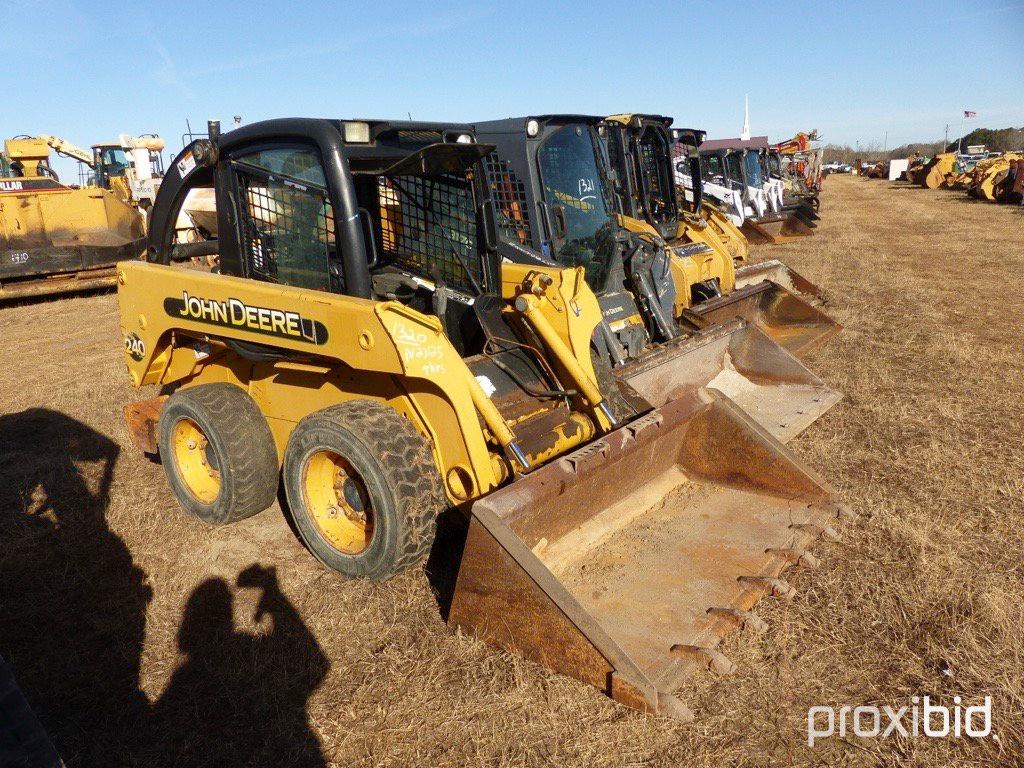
(364, 343)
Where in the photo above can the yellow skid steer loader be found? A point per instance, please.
(361, 343)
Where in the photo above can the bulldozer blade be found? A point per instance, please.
(775, 229)
(626, 562)
(65, 284)
(794, 323)
(739, 360)
(782, 275)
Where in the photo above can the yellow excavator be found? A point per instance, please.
(370, 342)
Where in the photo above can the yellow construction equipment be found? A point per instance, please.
(677, 267)
(728, 233)
(937, 172)
(987, 175)
(54, 238)
(365, 343)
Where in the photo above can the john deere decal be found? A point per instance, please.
(234, 313)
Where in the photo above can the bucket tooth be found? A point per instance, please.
(817, 531)
(774, 587)
(715, 661)
(795, 556)
(842, 512)
(743, 619)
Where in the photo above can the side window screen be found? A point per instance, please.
(652, 158)
(428, 227)
(735, 166)
(287, 223)
(509, 195)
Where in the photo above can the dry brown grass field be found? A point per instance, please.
(144, 638)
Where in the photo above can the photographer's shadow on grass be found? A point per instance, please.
(240, 698)
(72, 599)
(73, 605)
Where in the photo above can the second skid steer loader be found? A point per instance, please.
(608, 210)
(639, 146)
(363, 344)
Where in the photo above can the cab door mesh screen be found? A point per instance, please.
(428, 227)
(287, 228)
(508, 192)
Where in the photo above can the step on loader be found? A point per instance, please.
(363, 343)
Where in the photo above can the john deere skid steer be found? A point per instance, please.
(605, 198)
(365, 343)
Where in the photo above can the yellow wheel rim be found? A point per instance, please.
(338, 502)
(196, 461)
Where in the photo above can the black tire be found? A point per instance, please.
(389, 475)
(239, 449)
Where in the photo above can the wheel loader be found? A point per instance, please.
(364, 347)
(605, 197)
(937, 172)
(54, 238)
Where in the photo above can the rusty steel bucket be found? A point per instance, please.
(783, 276)
(739, 360)
(796, 324)
(626, 562)
(775, 229)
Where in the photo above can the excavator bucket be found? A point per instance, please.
(775, 229)
(625, 563)
(796, 324)
(737, 359)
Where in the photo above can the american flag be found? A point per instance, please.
(968, 113)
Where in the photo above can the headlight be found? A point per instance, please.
(532, 128)
(357, 133)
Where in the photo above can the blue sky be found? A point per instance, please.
(854, 71)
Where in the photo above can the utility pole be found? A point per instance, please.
(885, 143)
(946, 142)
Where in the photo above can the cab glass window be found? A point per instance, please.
(575, 192)
(114, 160)
(287, 225)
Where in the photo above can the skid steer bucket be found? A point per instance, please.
(793, 323)
(739, 360)
(624, 563)
(775, 229)
(782, 275)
